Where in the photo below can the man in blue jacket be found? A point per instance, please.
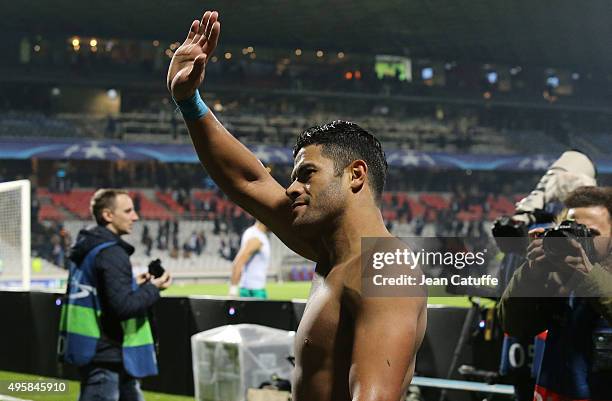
(104, 329)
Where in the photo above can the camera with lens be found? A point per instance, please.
(156, 269)
(538, 209)
(511, 233)
(556, 241)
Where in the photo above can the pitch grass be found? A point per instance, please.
(285, 292)
(73, 390)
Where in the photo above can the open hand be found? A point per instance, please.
(162, 282)
(186, 71)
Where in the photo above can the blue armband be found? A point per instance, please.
(192, 108)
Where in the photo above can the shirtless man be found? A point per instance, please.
(348, 346)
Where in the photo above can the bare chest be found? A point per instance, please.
(325, 330)
(324, 341)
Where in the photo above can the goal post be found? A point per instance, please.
(15, 233)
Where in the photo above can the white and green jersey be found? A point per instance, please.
(254, 272)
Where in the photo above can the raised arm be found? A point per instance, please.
(230, 164)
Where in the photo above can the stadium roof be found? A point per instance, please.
(562, 33)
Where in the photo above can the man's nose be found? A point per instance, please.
(294, 190)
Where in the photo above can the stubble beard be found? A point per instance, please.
(320, 215)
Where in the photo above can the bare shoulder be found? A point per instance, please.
(389, 305)
(388, 331)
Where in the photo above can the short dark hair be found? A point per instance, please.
(590, 196)
(345, 142)
(104, 199)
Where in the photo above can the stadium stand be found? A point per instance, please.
(173, 221)
(402, 133)
(451, 135)
(28, 124)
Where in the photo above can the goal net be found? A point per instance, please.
(15, 234)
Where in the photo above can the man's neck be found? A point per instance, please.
(343, 242)
(112, 229)
(261, 227)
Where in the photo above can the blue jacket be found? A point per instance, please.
(119, 302)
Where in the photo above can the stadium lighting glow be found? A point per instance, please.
(112, 94)
(515, 70)
(427, 73)
(340, 54)
(348, 75)
(298, 52)
(319, 53)
(55, 91)
(492, 77)
(245, 51)
(156, 43)
(552, 81)
(228, 55)
(575, 76)
(487, 95)
(37, 48)
(231, 311)
(250, 49)
(357, 74)
(76, 42)
(450, 65)
(93, 43)
(253, 56)
(214, 59)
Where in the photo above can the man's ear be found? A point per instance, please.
(107, 215)
(359, 171)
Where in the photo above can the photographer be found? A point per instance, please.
(104, 328)
(569, 294)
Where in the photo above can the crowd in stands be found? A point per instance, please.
(185, 221)
(166, 195)
(166, 237)
(456, 212)
(161, 214)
